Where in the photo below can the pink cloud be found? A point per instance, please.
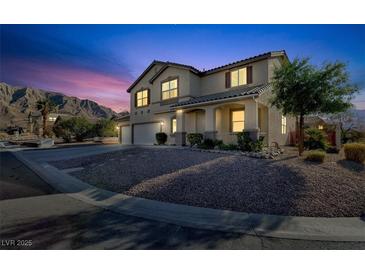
(105, 89)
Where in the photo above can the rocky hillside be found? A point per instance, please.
(17, 102)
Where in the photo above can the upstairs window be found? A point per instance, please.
(169, 89)
(142, 99)
(283, 124)
(238, 120)
(239, 77)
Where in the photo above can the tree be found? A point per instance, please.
(45, 107)
(346, 122)
(78, 127)
(106, 128)
(81, 127)
(300, 89)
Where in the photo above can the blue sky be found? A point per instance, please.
(99, 62)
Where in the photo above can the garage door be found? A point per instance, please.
(145, 134)
(126, 136)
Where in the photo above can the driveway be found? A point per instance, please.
(56, 221)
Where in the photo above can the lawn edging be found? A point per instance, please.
(290, 227)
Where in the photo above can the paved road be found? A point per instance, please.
(31, 210)
(56, 154)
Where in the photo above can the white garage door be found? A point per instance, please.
(145, 134)
(126, 136)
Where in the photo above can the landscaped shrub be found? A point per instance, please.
(207, 144)
(353, 136)
(315, 156)
(315, 139)
(228, 147)
(355, 152)
(161, 138)
(195, 138)
(105, 128)
(245, 143)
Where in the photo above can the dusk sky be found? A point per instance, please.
(99, 62)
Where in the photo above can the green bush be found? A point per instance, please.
(207, 144)
(81, 128)
(315, 139)
(161, 138)
(77, 127)
(105, 128)
(355, 152)
(228, 147)
(195, 138)
(245, 143)
(315, 156)
(63, 129)
(352, 136)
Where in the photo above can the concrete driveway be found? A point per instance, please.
(31, 210)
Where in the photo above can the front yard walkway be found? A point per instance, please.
(286, 186)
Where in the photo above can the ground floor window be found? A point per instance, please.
(283, 124)
(237, 120)
(173, 125)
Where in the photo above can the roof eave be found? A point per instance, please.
(216, 101)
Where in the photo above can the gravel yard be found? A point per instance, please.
(285, 186)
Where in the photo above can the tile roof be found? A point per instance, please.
(241, 92)
(247, 60)
(206, 72)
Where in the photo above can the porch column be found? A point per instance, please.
(180, 134)
(251, 119)
(210, 130)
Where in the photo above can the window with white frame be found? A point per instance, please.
(238, 120)
(142, 98)
(169, 89)
(283, 124)
(239, 77)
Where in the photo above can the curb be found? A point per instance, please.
(290, 227)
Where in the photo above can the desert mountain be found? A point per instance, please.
(17, 102)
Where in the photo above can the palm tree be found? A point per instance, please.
(45, 106)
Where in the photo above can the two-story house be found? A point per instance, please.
(179, 99)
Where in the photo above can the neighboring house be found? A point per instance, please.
(317, 122)
(179, 99)
(35, 121)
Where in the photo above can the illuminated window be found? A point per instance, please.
(239, 77)
(52, 119)
(320, 127)
(173, 125)
(142, 98)
(169, 89)
(238, 120)
(283, 124)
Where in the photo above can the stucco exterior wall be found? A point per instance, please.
(215, 82)
(272, 64)
(190, 85)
